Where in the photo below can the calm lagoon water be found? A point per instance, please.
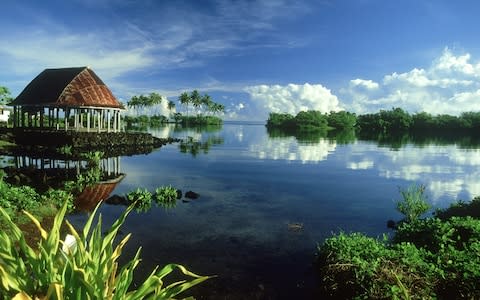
(253, 186)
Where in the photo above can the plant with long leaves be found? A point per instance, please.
(84, 266)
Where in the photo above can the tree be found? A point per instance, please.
(310, 120)
(184, 99)
(341, 120)
(196, 99)
(207, 103)
(153, 100)
(170, 106)
(134, 103)
(4, 95)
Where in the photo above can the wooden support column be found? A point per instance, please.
(42, 112)
(88, 119)
(108, 120)
(98, 120)
(67, 116)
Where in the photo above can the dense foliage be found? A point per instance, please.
(14, 199)
(388, 125)
(397, 121)
(426, 258)
(142, 199)
(5, 95)
(199, 120)
(311, 120)
(83, 266)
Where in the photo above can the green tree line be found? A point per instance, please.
(387, 122)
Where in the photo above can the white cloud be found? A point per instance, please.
(293, 98)
(367, 84)
(449, 86)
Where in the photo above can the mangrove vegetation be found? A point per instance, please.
(426, 258)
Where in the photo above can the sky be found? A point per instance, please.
(254, 56)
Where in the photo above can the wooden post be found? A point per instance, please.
(41, 117)
(88, 119)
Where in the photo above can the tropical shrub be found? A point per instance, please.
(166, 196)
(280, 120)
(341, 120)
(461, 209)
(141, 199)
(413, 203)
(357, 266)
(425, 259)
(83, 266)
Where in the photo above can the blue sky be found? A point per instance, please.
(257, 56)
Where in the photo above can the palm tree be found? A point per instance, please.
(134, 103)
(184, 99)
(196, 99)
(170, 106)
(207, 102)
(154, 99)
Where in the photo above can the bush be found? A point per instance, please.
(142, 199)
(357, 266)
(84, 266)
(425, 259)
(166, 196)
(413, 203)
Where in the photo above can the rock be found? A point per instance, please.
(191, 195)
(179, 194)
(116, 200)
(391, 224)
(295, 226)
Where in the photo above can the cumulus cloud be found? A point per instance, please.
(449, 86)
(367, 84)
(293, 98)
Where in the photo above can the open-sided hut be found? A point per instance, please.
(67, 99)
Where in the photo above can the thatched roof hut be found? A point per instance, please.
(71, 98)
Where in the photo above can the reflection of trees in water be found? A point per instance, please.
(194, 146)
(197, 128)
(466, 140)
(313, 137)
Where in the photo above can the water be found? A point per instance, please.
(253, 186)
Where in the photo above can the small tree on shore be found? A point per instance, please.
(5, 96)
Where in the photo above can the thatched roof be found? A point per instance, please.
(67, 87)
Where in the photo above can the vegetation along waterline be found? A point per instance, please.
(82, 266)
(427, 258)
(385, 122)
(290, 224)
(54, 264)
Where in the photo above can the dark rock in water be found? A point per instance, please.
(116, 200)
(179, 194)
(391, 224)
(191, 195)
(185, 201)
